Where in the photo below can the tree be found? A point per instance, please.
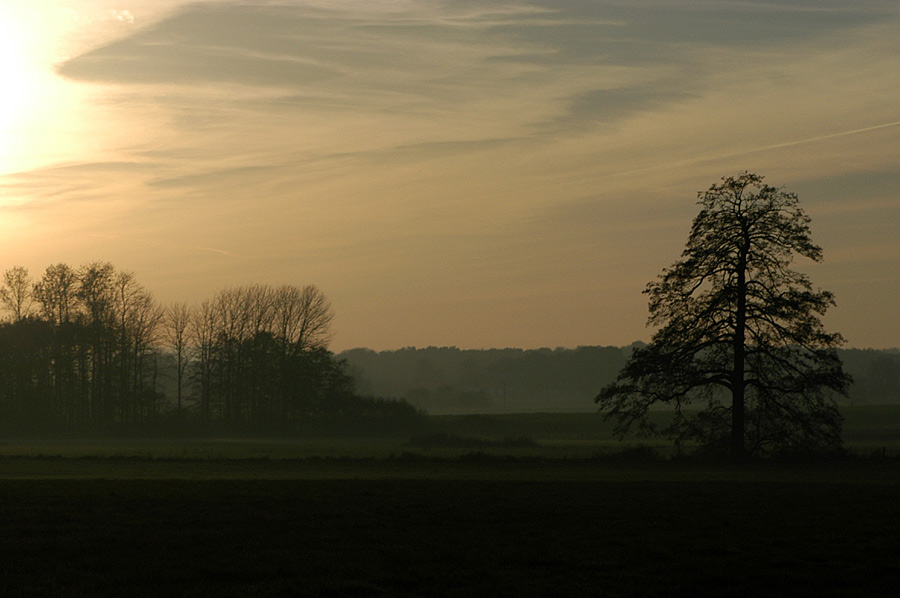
(303, 317)
(96, 351)
(15, 292)
(204, 330)
(176, 322)
(56, 293)
(95, 289)
(739, 333)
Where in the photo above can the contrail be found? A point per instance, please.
(756, 150)
(158, 243)
(823, 137)
(219, 251)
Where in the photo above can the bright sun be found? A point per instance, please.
(43, 117)
(12, 72)
(20, 83)
(31, 98)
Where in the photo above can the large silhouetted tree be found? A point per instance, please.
(739, 333)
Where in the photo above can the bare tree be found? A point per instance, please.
(95, 290)
(144, 332)
(56, 293)
(16, 292)
(303, 317)
(136, 319)
(204, 329)
(258, 302)
(176, 323)
(95, 356)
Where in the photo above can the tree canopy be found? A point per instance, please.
(740, 352)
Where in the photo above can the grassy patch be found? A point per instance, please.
(869, 430)
(445, 440)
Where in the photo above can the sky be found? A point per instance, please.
(452, 173)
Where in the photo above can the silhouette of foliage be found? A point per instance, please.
(89, 350)
(739, 334)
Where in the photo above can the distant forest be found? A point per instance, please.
(448, 380)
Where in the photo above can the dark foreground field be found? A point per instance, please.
(550, 530)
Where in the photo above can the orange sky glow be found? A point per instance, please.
(465, 173)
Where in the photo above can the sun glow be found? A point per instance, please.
(11, 73)
(37, 106)
(46, 119)
(28, 95)
(18, 85)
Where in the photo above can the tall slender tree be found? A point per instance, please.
(176, 331)
(739, 333)
(204, 336)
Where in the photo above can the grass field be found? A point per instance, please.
(385, 517)
(869, 429)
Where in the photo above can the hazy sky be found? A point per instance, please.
(470, 173)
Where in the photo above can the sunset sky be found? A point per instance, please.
(470, 173)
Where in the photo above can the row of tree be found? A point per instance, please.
(449, 380)
(90, 349)
(78, 348)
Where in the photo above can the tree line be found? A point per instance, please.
(450, 380)
(89, 349)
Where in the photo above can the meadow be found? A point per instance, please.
(478, 514)
(869, 430)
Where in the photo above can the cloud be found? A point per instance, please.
(122, 16)
(421, 56)
(537, 68)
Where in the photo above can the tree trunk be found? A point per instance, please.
(737, 372)
(737, 407)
